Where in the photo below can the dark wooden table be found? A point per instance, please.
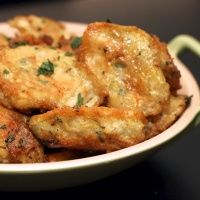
(174, 171)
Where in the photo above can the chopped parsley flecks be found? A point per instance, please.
(100, 136)
(10, 138)
(76, 42)
(121, 92)
(188, 100)
(119, 64)
(68, 53)
(23, 61)
(168, 63)
(5, 72)
(80, 101)
(18, 43)
(22, 143)
(3, 126)
(43, 81)
(43, 20)
(46, 68)
(59, 120)
(108, 21)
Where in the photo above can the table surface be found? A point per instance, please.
(174, 171)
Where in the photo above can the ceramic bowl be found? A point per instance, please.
(46, 176)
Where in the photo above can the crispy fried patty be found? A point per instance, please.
(35, 77)
(39, 28)
(95, 128)
(131, 63)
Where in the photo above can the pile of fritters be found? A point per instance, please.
(64, 96)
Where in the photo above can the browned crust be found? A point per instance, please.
(19, 141)
(171, 112)
(11, 91)
(93, 112)
(170, 71)
(109, 141)
(133, 80)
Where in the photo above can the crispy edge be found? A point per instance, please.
(47, 31)
(171, 112)
(170, 70)
(91, 141)
(159, 46)
(19, 141)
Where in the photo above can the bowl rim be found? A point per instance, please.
(185, 119)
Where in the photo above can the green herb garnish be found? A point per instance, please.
(100, 136)
(10, 138)
(59, 120)
(188, 100)
(46, 68)
(76, 42)
(121, 92)
(68, 53)
(18, 43)
(7, 38)
(168, 63)
(43, 20)
(43, 81)
(23, 61)
(119, 64)
(3, 126)
(5, 71)
(80, 101)
(108, 21)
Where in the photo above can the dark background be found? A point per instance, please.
(174, 171)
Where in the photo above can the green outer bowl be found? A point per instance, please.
(46, 176)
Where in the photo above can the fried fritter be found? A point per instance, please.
(129, 63)
(40, 28)
(95, 128)
(172, 110)
(17, 144)
(35, 77)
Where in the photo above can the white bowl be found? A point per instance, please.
(43, 176)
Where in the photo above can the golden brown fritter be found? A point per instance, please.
(35, 77)
(17, 144)
(95, 128)
(172, 110)
(41, 28)
(130, 64)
